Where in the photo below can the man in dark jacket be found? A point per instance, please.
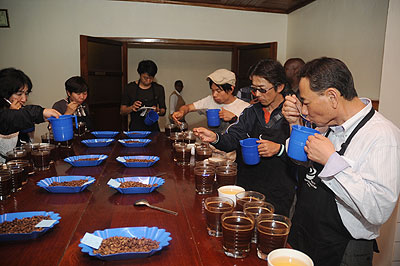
(273, 176)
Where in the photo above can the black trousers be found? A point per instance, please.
(358, 253)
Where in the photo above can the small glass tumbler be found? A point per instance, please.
(214, 208)
(41, 159)
(17, 154)
(24, 164)
(226, 175)
(246, 196)
(237, 230)
(182, 153)
(16, 174)
(256, 208)
(202, 152)
(5, 184)
(190, 137)
(170, 128)
(204, 177)
(273, 231)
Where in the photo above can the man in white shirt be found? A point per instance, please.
(175, 99)
(222, 85)
(353, 184)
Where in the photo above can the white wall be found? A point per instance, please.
(353, 31)
(43, 39)
(191, 66)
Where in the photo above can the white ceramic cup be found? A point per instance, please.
(229, 192)
(281, 255)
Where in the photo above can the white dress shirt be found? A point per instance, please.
(366, 179)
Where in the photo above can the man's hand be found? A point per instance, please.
(176, 116)
(290, 110)
(319, 148)
(136, 105)
(47, 113)
(205, 134)
(71, 108)
(268, 148)
(15, 105)
(226, 115)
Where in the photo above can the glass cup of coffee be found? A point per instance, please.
(273, 231)
(256, 208)
(246, 196)
(226, 175)
(182, 153)
(190, 138)
(237, 230)
(5, 184)
(214, 208)
(170, 128)
(176, 137)
(48, 138)
(17, 154)
(204, 178)
(16, 174)
(24, 164)
(41, 159)
(53, 150)
(202, 152)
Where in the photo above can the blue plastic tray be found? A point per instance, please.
(19, 215)
(73, 160)
(122, 159)
(105, 134)
(44, 183)
(140, 143)
(143, 179)
(153, 233)
(97, 142)
(137, 134)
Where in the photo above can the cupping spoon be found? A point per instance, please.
(143, 202)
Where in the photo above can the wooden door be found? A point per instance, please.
(243, 57)
(104, 67)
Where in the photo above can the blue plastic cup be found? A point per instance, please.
(297, 142)
(213, 117)
(151, 118)
(62, 127)
(250, 151)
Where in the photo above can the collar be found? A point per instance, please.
(349, 125)
(177, 92)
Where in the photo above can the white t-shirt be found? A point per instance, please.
(236, 107)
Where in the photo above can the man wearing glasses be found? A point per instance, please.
(222, 85)
(273, 176)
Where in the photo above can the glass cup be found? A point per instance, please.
(182, 153)
(256, 208)
(214, 208)
(5, 184)
(204, 177)
(176, 137)
(246, 196)
(190, 138)
(53, 150)
(202, 152)
(237, 230)
(41, 159)
(81, 130)
(170, 128)
(48, 138)
(24, 164)
(183, 126)
(204, 163)
(273, 231)
(16, 173)
(226, 175)
(17, 154)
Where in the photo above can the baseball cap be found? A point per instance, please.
(222, 76)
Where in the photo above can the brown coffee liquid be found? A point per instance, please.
(204, 182)
(5, 185)
(240, 202)
(214, 211)
(182, 155)
(237, 239)
(269, 240)
(225, 178)
(41, 159)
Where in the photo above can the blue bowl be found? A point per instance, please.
(153, 233)
(19, 215)
(122, 159)
(74, 160)
(139, 143)
(44, 183)
(143, 179)
(137, 134)
(97, 142)
(105, 134)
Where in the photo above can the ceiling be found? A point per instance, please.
(273, 6)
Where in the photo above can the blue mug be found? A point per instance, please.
(250, 151)
(213, 118)
(297, 142)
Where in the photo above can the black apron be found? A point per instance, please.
(137, 121)
(317, 228)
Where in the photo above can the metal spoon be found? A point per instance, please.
(143, 202)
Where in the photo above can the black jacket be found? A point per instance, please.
(273, 176)
(12, 121)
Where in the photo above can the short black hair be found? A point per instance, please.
(272, 71)
(325, 72)
(178, 82)
(12, 80)
(225, 87)
(147, 66)
(76, 84)
(295, 59)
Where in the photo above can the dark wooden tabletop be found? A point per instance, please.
(100, 207)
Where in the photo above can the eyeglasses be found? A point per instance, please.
(254, 89)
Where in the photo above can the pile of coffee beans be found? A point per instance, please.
(127, 184)
(119, 244)
(22, 226)
(132, 141)
(139, 161)
(88, 159)
(74, 183)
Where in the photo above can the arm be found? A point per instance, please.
(161, 102)
(183, 111)
(291, 109)
(125, 109)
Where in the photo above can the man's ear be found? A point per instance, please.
(280, 88)
(333, 96)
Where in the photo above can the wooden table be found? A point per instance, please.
(100, 207)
